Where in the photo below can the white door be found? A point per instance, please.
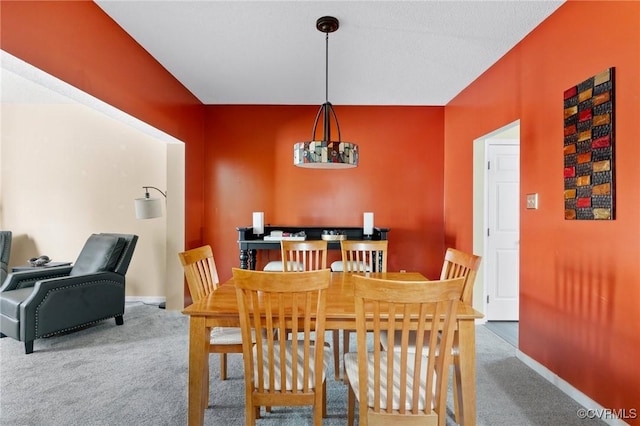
(503, 231)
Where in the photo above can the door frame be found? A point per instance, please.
(510, 131)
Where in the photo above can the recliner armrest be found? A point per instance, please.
(42, 287)
(23, 279)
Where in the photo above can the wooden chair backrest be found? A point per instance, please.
(200, 271)
(364, 256)
(285, 302)
(298, 256)
(400, 309)
(460, 264)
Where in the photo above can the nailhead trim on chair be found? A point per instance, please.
(44, 277)
(76, 326)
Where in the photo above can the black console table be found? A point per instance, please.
(248, 242)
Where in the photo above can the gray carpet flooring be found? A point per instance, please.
(508, 330)
(136, 374)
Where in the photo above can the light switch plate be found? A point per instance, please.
(532, 201)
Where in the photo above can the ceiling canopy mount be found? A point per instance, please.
(327, 24)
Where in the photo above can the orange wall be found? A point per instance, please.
(78, 43)
(579, 280)
(249, 163)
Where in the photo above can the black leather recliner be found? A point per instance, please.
(42, 302)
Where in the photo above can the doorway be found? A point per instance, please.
(156, 273)
(499, 273)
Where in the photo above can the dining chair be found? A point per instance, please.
(300, 250)
(282, 372)
(202, 278)
(456, 264)
(407, 386)
(309, 255)
(360, 256)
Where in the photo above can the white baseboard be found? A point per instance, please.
(593, 409)
(149, 300)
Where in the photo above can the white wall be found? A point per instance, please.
(69, 170)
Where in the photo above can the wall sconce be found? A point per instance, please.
(147, 207)
(367, 228)
(258, 223)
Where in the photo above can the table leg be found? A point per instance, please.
(244, 259)
(198, 369)
(457, 384)
(252, 259)
(467, 373)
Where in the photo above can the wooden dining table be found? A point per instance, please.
(220, 309)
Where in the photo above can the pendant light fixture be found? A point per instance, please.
(326, 153)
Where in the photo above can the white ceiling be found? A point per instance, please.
(270, 52)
